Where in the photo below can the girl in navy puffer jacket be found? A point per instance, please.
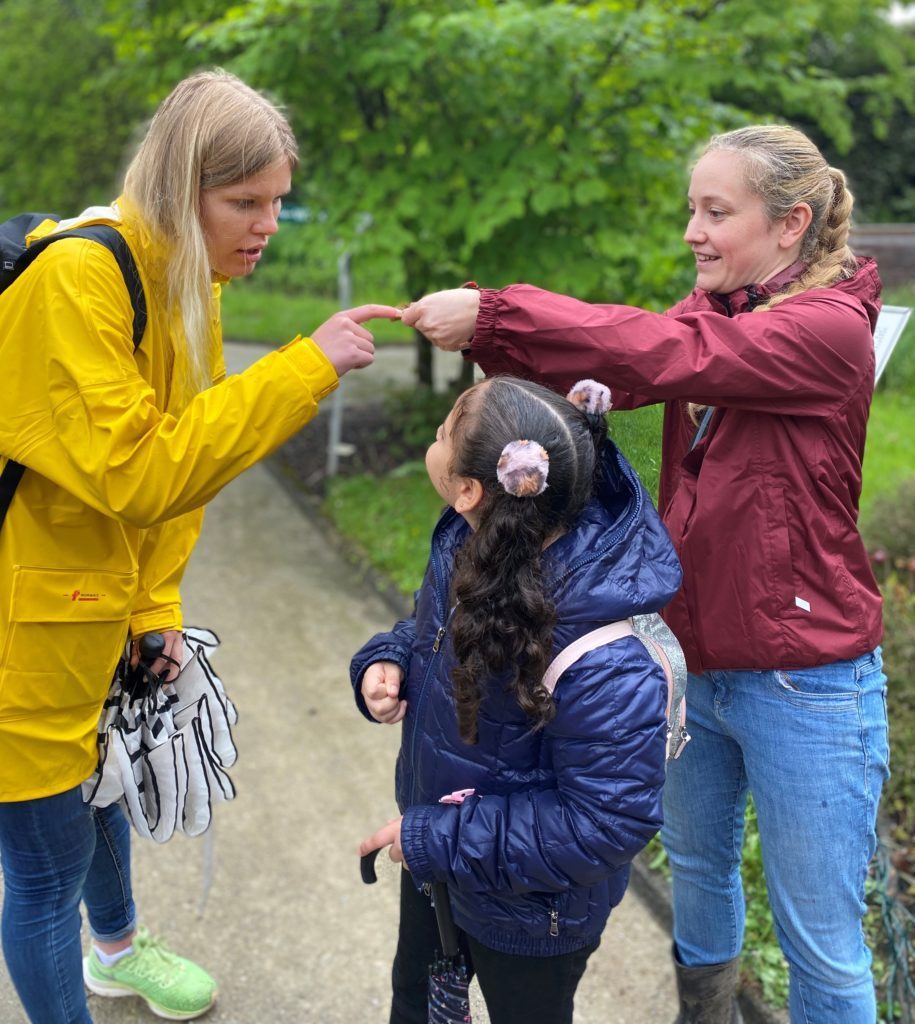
(549, 535)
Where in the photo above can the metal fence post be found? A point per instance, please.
(345, 297)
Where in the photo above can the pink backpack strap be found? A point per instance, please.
(570, 654)
(664, 650)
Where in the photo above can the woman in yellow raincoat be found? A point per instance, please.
(122, 450)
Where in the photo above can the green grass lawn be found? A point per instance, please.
(889, 457)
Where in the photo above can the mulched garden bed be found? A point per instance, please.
(372, 445)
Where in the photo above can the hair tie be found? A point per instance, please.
(592, 398)
(522, 468)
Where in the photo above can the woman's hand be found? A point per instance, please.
(381, 692)
(346, 343)
(446, 318)
(387, 835)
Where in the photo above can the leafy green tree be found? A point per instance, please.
(879, 72)
(530, 140)
(524, 139)
(68, 109)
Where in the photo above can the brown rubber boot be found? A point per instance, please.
(708, 995)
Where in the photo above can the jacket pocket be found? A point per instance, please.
(66, 631)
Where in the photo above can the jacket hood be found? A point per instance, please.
(148, 250)
(619, 561)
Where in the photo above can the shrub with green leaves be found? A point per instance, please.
(414, 414)
(899, 665)
(890, 527)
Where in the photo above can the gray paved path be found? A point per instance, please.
(288, 928)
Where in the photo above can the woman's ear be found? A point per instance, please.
(469, 495)
(795, 225)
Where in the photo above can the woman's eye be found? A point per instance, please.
(244, 204)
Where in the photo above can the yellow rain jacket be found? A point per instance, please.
(100, 530)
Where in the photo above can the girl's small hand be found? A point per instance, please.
(388, 835)
(446, 318)
(346, 343)
(381, 692)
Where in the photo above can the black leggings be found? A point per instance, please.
(517, 989)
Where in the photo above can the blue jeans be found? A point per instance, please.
(811, 746)
(56, 851)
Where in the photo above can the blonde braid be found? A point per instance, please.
(829, 258)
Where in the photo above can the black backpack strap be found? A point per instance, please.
(113, 240)
(9, 481)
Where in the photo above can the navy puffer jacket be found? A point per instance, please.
(535, 860)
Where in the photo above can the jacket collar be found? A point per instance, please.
(745, 300)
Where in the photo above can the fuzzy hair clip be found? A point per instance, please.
(592, 398)
(522, 468)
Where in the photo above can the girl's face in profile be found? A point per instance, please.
(439, 460)
(238, 220)
(732, 238)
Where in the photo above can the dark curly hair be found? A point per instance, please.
(503, 618)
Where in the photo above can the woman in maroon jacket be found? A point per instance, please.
(766, 370)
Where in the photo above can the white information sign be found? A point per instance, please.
(890, 324)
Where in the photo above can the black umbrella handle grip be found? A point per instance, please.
(367, 867)
(151, 647)
(446, 929)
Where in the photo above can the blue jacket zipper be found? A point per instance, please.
(436, 647)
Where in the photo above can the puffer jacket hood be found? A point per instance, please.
(538, 856)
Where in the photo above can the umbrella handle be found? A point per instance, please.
(139, 681)
(367, 867)
(446, 930)
(150, 647)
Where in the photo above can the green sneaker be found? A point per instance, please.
(174, 988)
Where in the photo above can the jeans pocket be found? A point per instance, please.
(826, 688)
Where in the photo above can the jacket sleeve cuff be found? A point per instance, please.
(484, 348)
(156, 620)
(487, 317)
(413, 831)
(394, 654)
(312, 366)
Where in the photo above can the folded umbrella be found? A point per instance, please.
(164, 746)
(449, 996)
(449, 984)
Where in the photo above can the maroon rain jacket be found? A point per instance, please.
(763, 511)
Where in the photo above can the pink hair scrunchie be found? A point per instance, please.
(591, 397)
(522, 469)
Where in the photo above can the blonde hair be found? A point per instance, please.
(212, 130)
(783, 167)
